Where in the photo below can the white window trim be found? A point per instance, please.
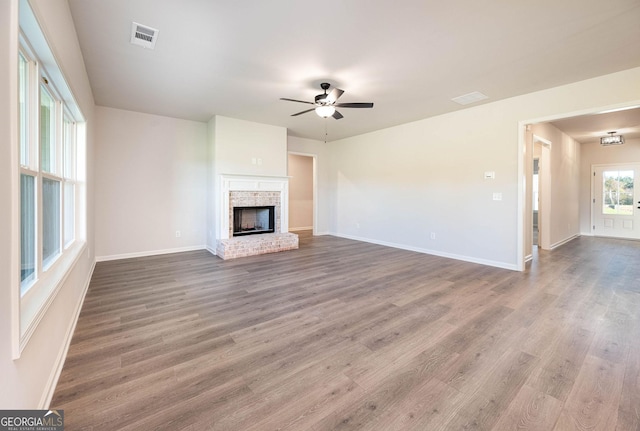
(29, 309)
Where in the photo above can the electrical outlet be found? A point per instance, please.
(178, 234)
(357, 225)
(433, 235)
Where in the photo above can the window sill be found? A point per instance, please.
(35, 303)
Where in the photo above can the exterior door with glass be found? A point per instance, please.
(616, 201)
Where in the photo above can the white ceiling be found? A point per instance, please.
(409, 57)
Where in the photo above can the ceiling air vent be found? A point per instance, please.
(467, 99)
(143, 35)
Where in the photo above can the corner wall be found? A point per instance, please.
(150, 184)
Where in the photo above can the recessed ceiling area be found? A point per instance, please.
(588, 129)
(410, 58)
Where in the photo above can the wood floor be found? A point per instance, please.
(344, 335)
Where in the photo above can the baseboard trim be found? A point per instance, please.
(149, 253)
(564, 241)
(296, 229)
(52, 382)
(470, 259)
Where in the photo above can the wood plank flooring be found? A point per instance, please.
(344, 335)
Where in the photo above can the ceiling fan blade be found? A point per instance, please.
(337, 115)
(299, 101)
(355, 105)
(303, 112)
(334, 95)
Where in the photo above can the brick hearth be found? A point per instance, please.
(251, 245)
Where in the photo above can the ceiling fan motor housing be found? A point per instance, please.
(321, 99)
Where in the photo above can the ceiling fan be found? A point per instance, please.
(325, 104)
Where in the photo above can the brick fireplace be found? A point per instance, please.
(238, 191)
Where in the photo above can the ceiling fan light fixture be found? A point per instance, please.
(325, 111)
(325, 104)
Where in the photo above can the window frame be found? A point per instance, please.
(34, 296)
(31, 167)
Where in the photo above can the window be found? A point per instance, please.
(27, 230)
(47, 177)
(51, 144)
(47, 131)
(69, 167)
(23, 77)
(29, 176)
(617, 192)
(50, 221)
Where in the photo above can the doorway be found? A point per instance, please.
(302, 202)
(616, 201)
(586, 128)
(541, 193)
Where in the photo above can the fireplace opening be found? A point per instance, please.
(253, 220)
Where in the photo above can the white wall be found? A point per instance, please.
(150, 183)
(401, 184)
(594, 154)
(300, 192)
(324, 185)
(563, 202)
(239, 142)
(28, 382)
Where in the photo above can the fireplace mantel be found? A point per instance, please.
(250, 190)
(252, 183)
